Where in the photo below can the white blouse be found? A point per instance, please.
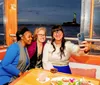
(51, 58)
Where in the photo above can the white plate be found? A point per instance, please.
(47, 79)
(60, 78)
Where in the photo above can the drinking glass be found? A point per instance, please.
(42, 76)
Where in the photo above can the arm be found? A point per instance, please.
(72, 48)
(46, 63)
(8, 61)
(75, 49)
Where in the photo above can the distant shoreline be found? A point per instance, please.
(64, 24)
(70, 24)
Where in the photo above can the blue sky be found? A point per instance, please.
(47, 11)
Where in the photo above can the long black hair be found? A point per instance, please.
(57, 28)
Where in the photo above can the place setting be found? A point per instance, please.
(69, 81)
(56, 79)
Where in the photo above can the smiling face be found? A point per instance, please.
(27, 37)
(58, 35)
(41, 36)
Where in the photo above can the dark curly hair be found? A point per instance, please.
(57, 28)
(21, 31)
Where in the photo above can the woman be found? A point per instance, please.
(16, 60)
(56, 53)
(36, 47)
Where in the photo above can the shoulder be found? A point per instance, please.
(48, 46)
(48, 43)
(33, 42)
(68, 43)
(14, 45)
(32, 45)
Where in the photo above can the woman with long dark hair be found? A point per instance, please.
(57, 52)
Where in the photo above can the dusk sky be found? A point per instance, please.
(52, 12)
(47, 11)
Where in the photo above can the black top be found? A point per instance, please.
(36, 61)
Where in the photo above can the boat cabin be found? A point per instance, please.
(87, 65)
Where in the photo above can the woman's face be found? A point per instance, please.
(58, 35)
(41, 36)
(27, 37)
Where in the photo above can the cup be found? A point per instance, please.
(42, 76)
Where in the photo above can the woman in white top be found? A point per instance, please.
(57, 52)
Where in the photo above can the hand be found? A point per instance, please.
(53, 70)
(20, 74)
(86, 46)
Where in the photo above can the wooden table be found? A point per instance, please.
(29, 78)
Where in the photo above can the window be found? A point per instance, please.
(90, 23)
(2, 36)
(96, 25)
(34, 13)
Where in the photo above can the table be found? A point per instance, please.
(29, 78)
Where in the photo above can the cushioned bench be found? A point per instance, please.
(88, 65)
(2, 53)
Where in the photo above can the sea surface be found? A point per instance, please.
(70, 31)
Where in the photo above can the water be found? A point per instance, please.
(70, 31)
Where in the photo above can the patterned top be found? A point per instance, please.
(36, 60)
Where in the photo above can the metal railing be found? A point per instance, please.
(76, 39)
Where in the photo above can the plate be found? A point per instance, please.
(54, 81)
(59, 78)
(47, 79)
(69, 81)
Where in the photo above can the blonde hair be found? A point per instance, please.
(36, 32)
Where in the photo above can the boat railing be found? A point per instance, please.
(76, 39)
(94, 42)
(68, 38)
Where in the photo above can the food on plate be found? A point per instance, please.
(54, 83)
(69, 81)
(65, 80)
